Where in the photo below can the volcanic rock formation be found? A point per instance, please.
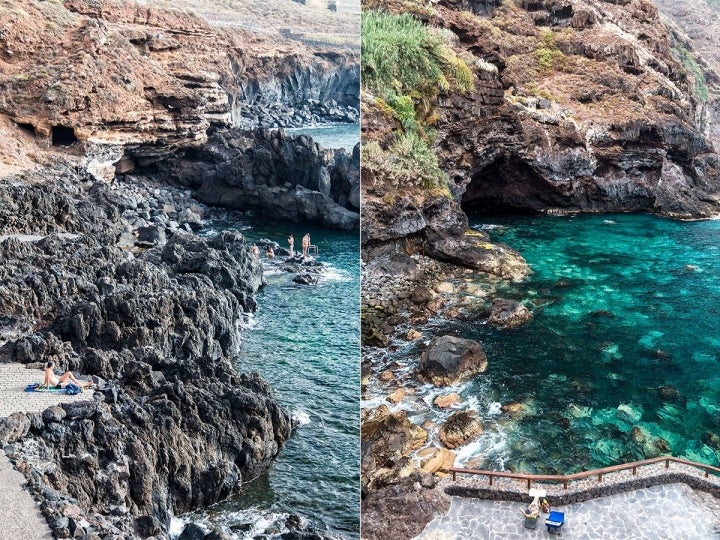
(159, 324)
(127, 86)
(290, 178)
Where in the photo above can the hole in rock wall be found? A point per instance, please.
(63, 136)
(509, 186)
(563, 14)
(28, 128)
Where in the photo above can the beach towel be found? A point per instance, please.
(70, 389)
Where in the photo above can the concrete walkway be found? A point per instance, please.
(20, 517)
(673, 511)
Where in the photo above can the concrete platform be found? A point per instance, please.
(20, 517)
(13, 380)
(672, 511)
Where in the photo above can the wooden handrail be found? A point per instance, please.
(566, 478)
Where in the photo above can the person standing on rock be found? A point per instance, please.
(305, 244)
(291, 243)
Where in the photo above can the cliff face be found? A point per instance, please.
(694, 25)
(285, 177)
(151, 80)
(578, 106)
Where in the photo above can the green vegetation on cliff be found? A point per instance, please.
(405, 65)
(694, 70)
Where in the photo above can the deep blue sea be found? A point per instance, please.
(621, 360)
(305, 341)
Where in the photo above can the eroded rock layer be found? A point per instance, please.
(152, 80)
(579, 106)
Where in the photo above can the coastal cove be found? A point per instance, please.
(304, 341)
(619, 360)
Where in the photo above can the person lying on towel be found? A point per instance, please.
(56, 380)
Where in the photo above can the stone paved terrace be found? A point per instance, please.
(20, 517)
(13, 380)
(671, 511)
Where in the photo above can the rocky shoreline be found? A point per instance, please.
(402, 462)
(113, 283)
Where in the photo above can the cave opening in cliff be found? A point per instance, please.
(63, 136)
(28, 128)
(507, 186)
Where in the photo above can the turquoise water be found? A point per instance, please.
(333, 136)
(622, 358)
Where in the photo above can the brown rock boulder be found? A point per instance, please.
(460, 429)
(386, 439)
(437, 460)
(448, 400)
(450, 359)
(508, 313)
(413, 335)
(514, 409)
(473, 250)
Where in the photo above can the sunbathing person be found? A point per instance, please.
(53, 379)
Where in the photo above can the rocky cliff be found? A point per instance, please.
(142, 82)
(160, 324)
(575, 106)
(578, 106)
(285, 177)
(694, 33)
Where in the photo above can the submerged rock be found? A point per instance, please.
(508, 313)
(306, 279)
(450, 359)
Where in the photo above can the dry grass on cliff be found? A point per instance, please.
(305, 22)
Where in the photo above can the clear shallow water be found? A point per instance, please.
(334, 136)
(626, 308)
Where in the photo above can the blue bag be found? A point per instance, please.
(72, 389)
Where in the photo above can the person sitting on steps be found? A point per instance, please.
(52, 379)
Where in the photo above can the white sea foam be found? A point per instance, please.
(494, 408)
(372, 403)
(258, 520)
(302, 418)
(334, 274)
